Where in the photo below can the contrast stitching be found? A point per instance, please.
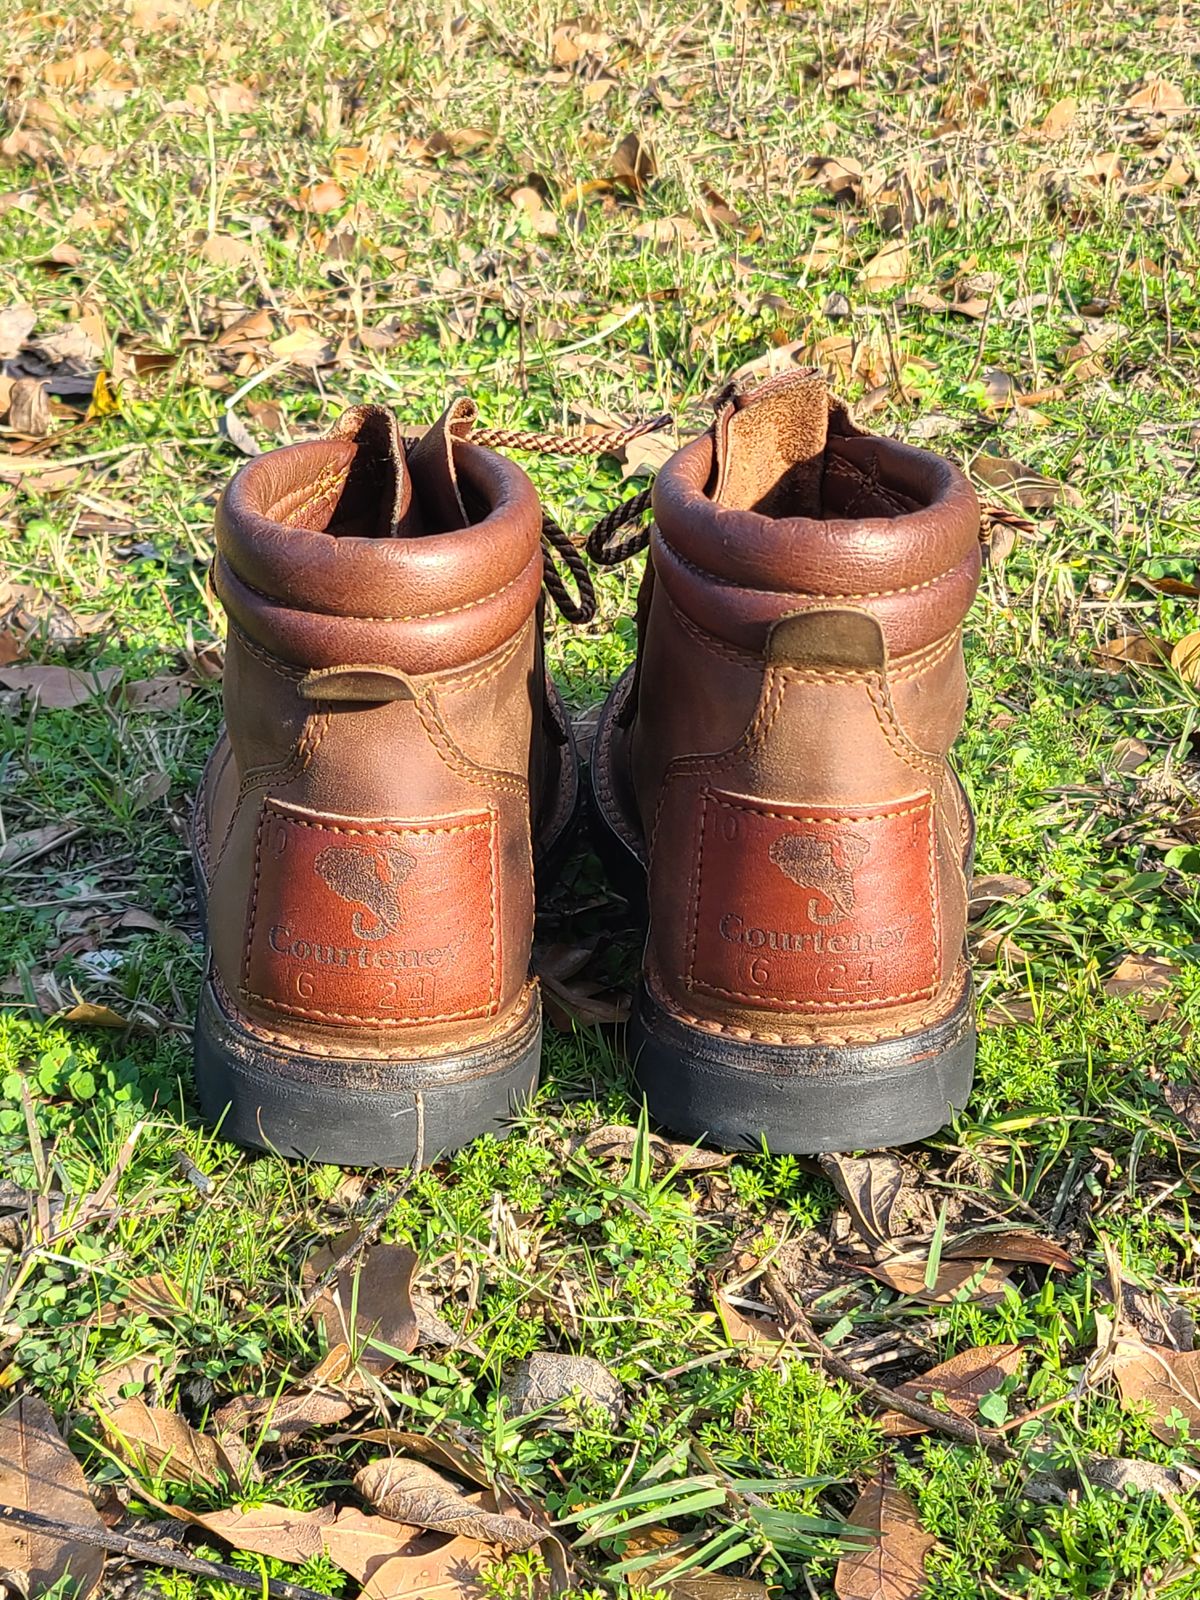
(351, 1052)
(280, 668)
(797, 816)
(823, 594)
(491, 822)
(777, 1002)
(407, 616)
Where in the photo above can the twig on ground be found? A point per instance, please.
(367, 1234)
(157, 1555)
(954, 1427)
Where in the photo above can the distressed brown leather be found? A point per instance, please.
(779, 756)
(393, 751)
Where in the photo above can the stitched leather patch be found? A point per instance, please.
(815, 908)
(384, 923)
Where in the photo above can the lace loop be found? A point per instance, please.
(598, 543)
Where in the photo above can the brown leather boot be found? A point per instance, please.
(776, 766)
(394, 760)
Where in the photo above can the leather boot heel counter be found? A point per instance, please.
(364, 842)
(823, 895)
(777, 773)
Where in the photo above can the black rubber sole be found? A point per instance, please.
(360, 1113)
(802, 1099)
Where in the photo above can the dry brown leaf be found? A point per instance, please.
(223, 250)
(582, 1004)
(321, 198)
(285, 1417)
(1059, 117)
(977, 1282)
(29, 408)
(165, 693)
(1008, 1244)
(416, 1492)
(1184, 1101)
(887, 268)
(1162, 1380)
(88, 1014)
(1185, 657)
(1141, 975)
(59, 688)
(377, 1284)
(158, 16)
(20, 848)
(760, 1337)
(16, 324)
(962, 1382)
(305, 347)
(38, 1473)
(892, 1566)
(633, 164)
(159, 1442)
(616, 1140)
(1031, 489)
(995, 888)
(551, 1377)
(429, 1566)
(271, 1530)
(86, 66)
(1142, 649)
(1158, 96)
(880, 1203)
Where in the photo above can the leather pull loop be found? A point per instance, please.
(358, 684)
(828, 638)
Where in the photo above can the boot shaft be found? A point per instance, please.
(800, 682)
(367, 821)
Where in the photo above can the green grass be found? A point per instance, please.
(1067, 1131)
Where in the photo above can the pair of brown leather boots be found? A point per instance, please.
(770, 780)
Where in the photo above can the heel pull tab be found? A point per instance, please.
(361, 684)
(826, 638)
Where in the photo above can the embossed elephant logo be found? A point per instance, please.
(827, 865)
(368, 878)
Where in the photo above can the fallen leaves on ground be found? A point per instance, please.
(761, 1337)
(880, 1195)
(1032, 490)
(1166, 1382)
(886, 268)
(892, 1565)
(157, 1442)
(981, 1283)
(414, 1491)
(59, 688)
(616, 1140)
(1137, 976)
(1141, 649)
(38, 1473)
(369, 1301)
(962, 1382)
(285, 1417)
(549, 1377)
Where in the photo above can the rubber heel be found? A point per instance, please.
(392, 1112)
(801, 1099)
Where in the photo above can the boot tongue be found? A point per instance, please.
(393, 494)
(770, 446)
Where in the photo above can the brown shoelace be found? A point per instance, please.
(557, 545)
